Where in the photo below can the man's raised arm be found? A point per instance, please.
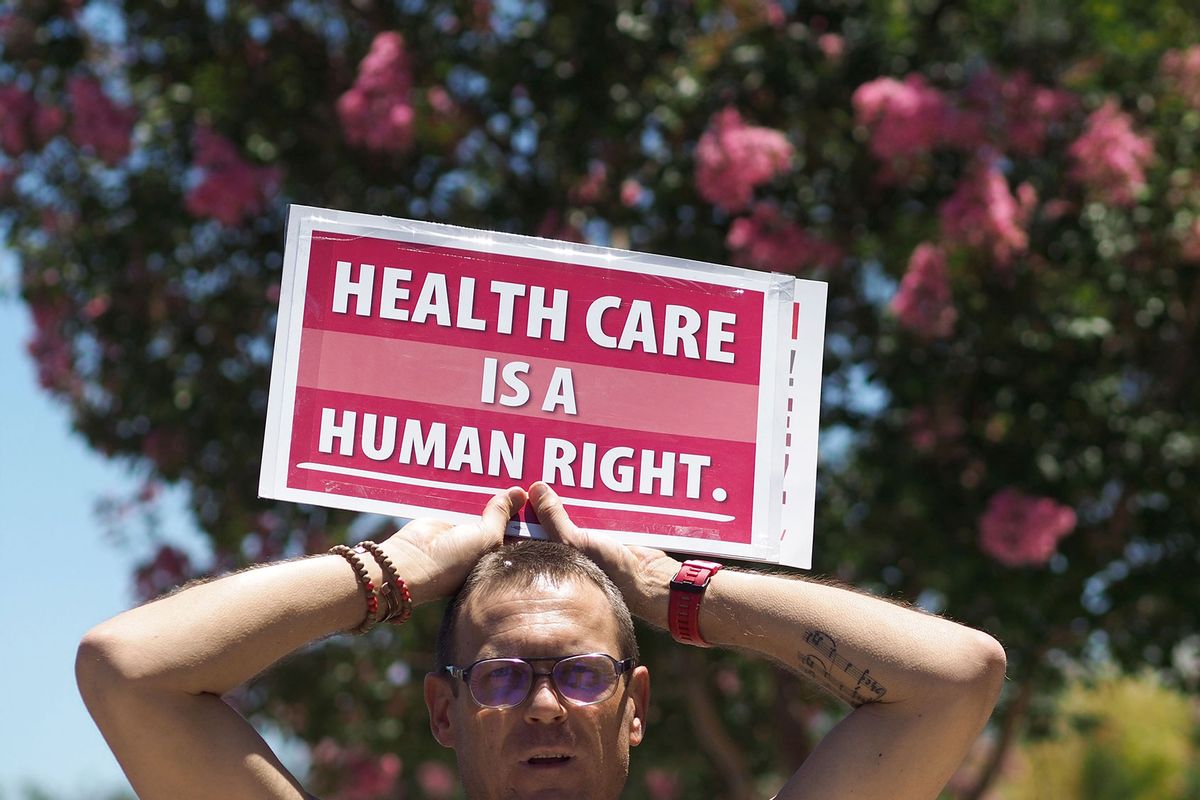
(922, 687)
(153, 677)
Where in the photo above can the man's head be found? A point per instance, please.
(538, 600)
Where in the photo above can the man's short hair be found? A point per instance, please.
(519, 565)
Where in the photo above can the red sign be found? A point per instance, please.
(419, 368)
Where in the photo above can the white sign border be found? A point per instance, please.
(803, 429)
(777, 291)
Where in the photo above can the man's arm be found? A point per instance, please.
(922, 687)
(153, 677)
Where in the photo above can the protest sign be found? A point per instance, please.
(419, 368)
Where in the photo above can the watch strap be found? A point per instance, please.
(687, 591)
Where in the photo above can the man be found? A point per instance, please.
(538, 723)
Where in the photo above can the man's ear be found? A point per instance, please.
(439, 698)
(639, 695)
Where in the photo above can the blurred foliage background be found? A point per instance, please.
(1003, 197)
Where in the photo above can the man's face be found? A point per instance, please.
(502, 753)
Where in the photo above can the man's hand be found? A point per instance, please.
(436, 555)
(643, 574)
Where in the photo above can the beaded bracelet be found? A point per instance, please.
(395, 590)
(364, 580)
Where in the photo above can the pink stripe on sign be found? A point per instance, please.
(453, 376)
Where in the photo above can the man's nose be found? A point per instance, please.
(544, 703)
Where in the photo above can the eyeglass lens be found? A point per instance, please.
(505, 682)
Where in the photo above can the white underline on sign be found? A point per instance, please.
(670, 512)
(465, 487)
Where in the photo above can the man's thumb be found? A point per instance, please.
(550, 512)
(500, 509)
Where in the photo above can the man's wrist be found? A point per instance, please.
(654, 591)
(412, 566)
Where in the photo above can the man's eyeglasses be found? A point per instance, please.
(505, 682)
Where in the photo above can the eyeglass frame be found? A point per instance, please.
(623, 666)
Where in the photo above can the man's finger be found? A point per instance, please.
(550, 512)
(500, 508)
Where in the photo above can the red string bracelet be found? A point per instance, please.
(395, 590)
(364, 580)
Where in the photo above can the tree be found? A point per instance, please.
(1004, 202)
(1126, 738)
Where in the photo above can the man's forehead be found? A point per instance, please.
(565, 616)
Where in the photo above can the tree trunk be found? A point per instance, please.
(710, 730)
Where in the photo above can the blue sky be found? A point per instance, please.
(58, 575)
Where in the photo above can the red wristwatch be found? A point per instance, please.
(687, 590)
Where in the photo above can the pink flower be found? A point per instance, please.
(1110, 159)
(983, 214)
(148, 492)
(17, 33)
(436, 780)
(592, 186)
(361, 775)
(1031, 111)
(766, 240)
(55, 222)
(1189, 243)
(923, 303)
(166, 448)
(1181, 71)
(775, 14)
(167, 569)
(96, 307)
(732, 158)
(17, 108)
(932, 428)
(1057, 208)
(631, 192)
(440, 101)
(832, 45)
(906, 119)
(23, 123)
(728, 682)
(1017, 529)
(376, 112)
(230, 189)
(50, 349)
(47, 122)
(97, 122)
(373, 778)
(662, 784)
(1013, 113)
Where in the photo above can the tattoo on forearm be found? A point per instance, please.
(835, 673)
